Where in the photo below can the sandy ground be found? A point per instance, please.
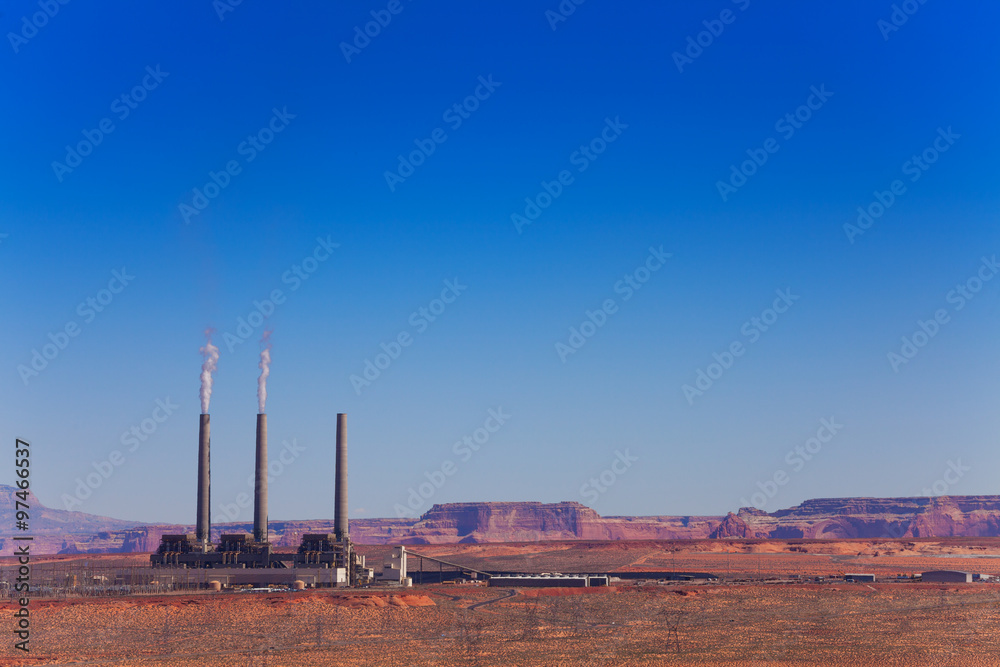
(740, 621)
(754, 624)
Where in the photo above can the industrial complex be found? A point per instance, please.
(242, 558)
(322, 559)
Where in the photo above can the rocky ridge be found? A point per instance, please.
(58, 531)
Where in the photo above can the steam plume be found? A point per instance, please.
(265, 370)
(211, 354)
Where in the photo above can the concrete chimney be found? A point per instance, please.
(260, 483)
(204, 526)
(340, 485)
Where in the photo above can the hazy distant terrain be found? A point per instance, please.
(59, 531)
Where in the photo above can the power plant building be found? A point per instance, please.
(243, 551)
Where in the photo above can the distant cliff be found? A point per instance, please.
(943, 516)
(58, 531)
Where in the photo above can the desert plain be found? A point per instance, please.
(766, 608)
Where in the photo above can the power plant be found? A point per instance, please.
(321, 559)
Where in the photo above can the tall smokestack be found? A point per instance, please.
(340, 488)
(260, 483)
(203, 529)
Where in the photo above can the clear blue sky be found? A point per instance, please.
(672, 128)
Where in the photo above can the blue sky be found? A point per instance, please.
(211, 82)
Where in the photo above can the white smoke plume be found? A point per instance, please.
(265, 370)
(211, 354)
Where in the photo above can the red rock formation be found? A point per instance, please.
(943, 516)
(734, 526)
(57, 531)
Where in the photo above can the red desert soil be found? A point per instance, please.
(739, 621)
(759, 624)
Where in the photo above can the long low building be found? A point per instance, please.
(546, 581)
(311, 577)
(947, 576)
(661, 575)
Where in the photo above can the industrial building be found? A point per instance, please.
(860, 578)
(947, 576)
(393, 570)
(549, 580)
(250, 558)
(664, 576)
(404, 567)
(398, 570)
